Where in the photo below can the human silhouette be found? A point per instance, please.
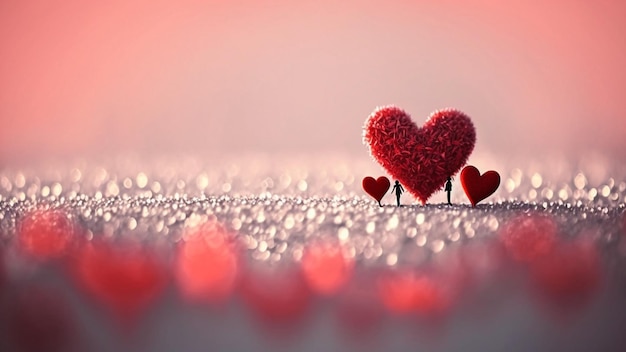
(399, 190)
(449, 189)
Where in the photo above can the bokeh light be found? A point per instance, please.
(46, 234)
(408, 290)
(569, 276)
(528, 236)
(124, 277)
(326, 267)
(277, 296)
(207, 263)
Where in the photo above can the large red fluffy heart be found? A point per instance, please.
(479, 187)
(420, 158)
(376, 187)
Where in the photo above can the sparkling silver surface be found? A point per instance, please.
(276, 204)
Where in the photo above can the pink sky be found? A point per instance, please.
(80, 77)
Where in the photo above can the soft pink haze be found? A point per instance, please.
(84, 77)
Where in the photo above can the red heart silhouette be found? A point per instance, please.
(376, 188)
(479, 187)
(423, 158)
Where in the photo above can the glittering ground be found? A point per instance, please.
(296, 243)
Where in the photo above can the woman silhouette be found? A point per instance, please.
(399, 190)
(449, 189)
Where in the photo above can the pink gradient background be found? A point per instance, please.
(84, 77)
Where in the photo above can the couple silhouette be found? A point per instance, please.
(399, 190)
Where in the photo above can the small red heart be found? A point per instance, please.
(479, 187)
(423, 158)
(376, 188)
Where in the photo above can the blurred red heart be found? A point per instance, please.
(125, 277)
(527, 237)
(423, 158)
(569, 276)
(208, 263)
(376, 188)
(408, 290)
(46, 234)
(325, 267)
(279, 297)
(476, 186)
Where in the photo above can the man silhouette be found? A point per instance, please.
(449, 189)
(399, 190)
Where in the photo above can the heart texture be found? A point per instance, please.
(377, 188)
(421, 158)
(476, 186)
